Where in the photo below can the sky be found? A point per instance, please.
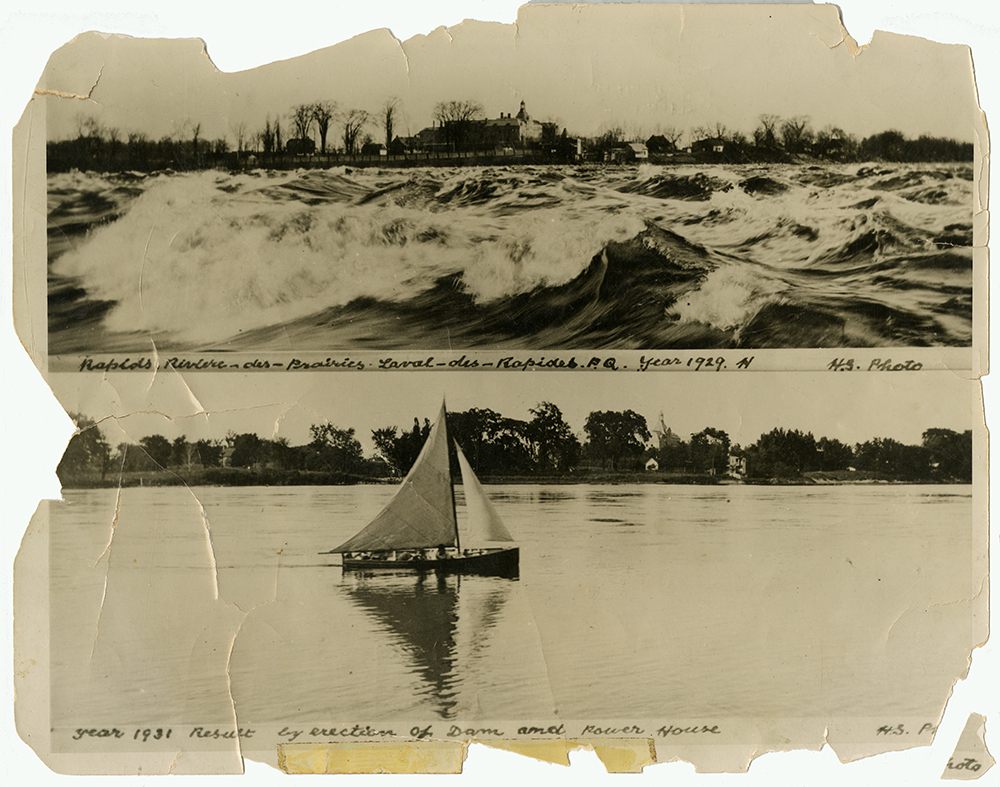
(586, 68)
(744, 404)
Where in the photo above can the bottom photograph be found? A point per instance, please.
(714, 565)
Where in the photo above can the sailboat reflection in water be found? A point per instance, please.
(442, 622)
(419, 529)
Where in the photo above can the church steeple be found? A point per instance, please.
(523, 114)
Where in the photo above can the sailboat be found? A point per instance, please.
(419, 528)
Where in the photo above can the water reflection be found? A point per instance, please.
(442, 622)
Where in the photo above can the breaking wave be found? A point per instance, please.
(533, 257)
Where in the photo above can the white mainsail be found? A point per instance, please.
(483, 527)
(422, 513)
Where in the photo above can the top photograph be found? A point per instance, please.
(661, 178)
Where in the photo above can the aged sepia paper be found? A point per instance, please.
(513, 264)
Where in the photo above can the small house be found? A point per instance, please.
(713, 146)
(374, 149)
(629, 152)
(636, 151)
(660, 145)
(300, 147)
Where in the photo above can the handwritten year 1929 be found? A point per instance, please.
(698, 364)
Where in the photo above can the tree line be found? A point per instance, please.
(776, 139)
(460, 127)
(616, 444)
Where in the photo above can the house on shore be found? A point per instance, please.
(300, 147)
(659, 145)
(629, 153)
(737, 466)
(712, 147)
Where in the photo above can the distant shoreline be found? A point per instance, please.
(292, 163)
(238, 477)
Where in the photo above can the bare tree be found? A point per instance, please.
(323, 112)
(672, 135)
(389, 111)
(87, 126)
(240, 133)
(455, 118)
(766, 133)
(795, 134)
(302, 118)
(277, 135)
(354, 121)
(195, 133)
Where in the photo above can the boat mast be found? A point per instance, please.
(451, 481)
(454, 508)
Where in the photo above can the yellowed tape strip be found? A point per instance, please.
(619, 755)
(374, 757)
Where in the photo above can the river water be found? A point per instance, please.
(647, 257)
(633, 602)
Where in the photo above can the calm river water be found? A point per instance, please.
(634, 601)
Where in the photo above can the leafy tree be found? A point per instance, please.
(614, 438)
(182, 452)
(87, 452)
(886, 146)
(710, 451)
(782, 454)
(891, 458)
(209, 452)
(951, 452)
(833, 454)
(493, 443)
(401, 450)
(334, 449)
(157, 448)
(676, 456)
(247, 450)
(278, 453)
(554, 445)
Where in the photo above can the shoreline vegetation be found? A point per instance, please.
(323, 134)
(255, 478)
(613, 448)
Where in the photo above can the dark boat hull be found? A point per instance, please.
(498, 563)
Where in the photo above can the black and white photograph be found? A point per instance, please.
(571, 184)
(355, 447)
(384, 562)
